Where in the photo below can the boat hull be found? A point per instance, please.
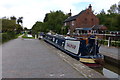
(91, 62)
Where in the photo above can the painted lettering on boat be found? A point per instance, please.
(71, 45)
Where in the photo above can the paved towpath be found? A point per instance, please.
(31, 58)
(110, 51)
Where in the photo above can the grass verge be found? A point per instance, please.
(27, 37)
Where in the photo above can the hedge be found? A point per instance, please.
(8, 36)
(116, 44)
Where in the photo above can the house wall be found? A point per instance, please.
(85, 20)
(72, 27)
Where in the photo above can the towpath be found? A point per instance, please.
(31, 58)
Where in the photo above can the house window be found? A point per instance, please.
(92, 19)
(85, 19)
(73, 23)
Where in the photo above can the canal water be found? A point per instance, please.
(109, 70)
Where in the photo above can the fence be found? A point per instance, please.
(111, 40)
(106, 39)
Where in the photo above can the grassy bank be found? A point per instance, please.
(25, 36)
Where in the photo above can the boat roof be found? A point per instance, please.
(83, 29)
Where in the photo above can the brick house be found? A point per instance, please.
(85, 20)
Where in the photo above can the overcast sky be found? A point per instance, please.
(35, 10)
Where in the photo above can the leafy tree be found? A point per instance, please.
(25, 28)
(52, 21)
(7, 25)
(46, 17)
(38, 27)
(20, 20)
(13, 18)
(119, 7)
(10, 25)
(111, 19)
(18, 28)
(113, 9)
(102, 12)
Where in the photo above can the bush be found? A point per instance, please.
(116, 44)
(8, 36)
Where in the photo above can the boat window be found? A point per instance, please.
(56, 41)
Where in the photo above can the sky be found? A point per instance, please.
(35, 10)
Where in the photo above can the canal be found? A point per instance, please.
(109, 70)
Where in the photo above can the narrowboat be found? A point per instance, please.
(86, 50)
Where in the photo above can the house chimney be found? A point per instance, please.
(90, 7)
(70, 14)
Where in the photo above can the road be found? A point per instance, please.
(32, 58)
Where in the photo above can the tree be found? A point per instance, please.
(113, 9)
(119, 7)
(112, 19)
(46, 17)
(13, 18)
(38, 27)
(25, 28)
(54, 20)
(102, 11)
(18, 28)
(20, 20)
(10, 26)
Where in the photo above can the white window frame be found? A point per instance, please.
(73, 23)
(65, 24)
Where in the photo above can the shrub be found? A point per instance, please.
(116, 44)
(8, 36)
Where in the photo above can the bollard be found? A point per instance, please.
(109, 40)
